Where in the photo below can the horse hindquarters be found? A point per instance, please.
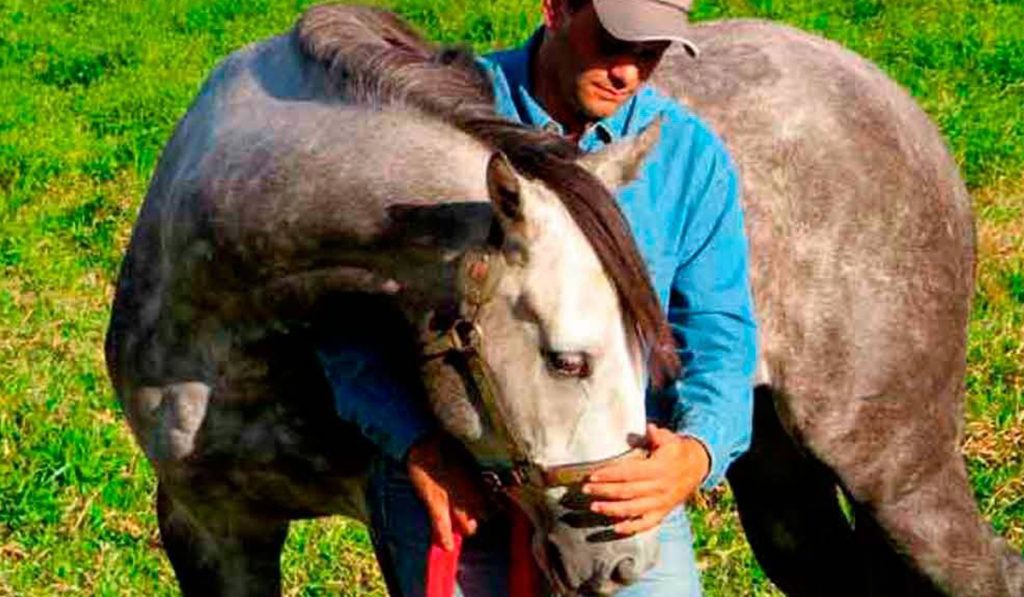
(862, 264)
(916, 529)
(937, 528)
(786, 500)
(789, 505)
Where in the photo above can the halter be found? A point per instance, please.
(479, 274)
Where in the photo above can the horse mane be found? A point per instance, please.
(372, 57)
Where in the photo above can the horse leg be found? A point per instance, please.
(936, 529)
(233, 557)
(791, 514)
(888, 572)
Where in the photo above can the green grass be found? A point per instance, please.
(964, 63)
(89, 91)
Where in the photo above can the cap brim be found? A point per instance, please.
(645, 20)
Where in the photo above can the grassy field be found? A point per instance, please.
(89, 91)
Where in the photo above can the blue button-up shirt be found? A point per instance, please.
(684, 211)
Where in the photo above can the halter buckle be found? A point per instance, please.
(465, 335)
(492, 481)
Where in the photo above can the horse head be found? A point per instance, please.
(556, 371)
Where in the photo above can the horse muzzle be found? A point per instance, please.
(582, 555)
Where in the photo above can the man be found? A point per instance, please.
(583, 75)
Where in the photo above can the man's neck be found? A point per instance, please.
(545, 89)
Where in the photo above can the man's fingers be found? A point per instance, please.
(621, 491)
(629, 508)
(465, 523)
(643, 470)
(639, 525)
(440, 520)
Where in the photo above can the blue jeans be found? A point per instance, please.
(400, 529)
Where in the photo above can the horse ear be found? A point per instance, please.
(503, 187)
(619, 163)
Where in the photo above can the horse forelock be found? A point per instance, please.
(372, 57)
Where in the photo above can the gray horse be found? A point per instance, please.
(862, 246)
(333, 181)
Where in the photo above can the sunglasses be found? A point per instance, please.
(611, 46)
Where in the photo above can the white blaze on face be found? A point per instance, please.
(559, 300)
(555, 299)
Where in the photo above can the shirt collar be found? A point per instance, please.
(516, 67)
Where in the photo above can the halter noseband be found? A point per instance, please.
(479, 274)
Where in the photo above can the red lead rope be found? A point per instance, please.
(524, 577)
(442, 566)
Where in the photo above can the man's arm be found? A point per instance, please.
(372, 391)
(712, 320)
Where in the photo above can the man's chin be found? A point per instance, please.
(598, 103)
(601, 110)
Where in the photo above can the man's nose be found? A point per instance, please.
(624, 75)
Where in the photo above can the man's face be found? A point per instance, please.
(598, 72)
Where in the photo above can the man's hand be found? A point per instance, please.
(640, 494)
(443, 478)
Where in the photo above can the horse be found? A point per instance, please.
(862, 252)
(349, 180)
(333, 180)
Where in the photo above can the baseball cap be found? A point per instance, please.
(647, 20)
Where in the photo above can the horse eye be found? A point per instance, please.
(569, 364)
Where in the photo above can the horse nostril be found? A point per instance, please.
(625, 572)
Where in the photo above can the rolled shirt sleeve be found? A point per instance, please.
(711, 314)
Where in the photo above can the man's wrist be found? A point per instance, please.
(700, 447)
(426, 447)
